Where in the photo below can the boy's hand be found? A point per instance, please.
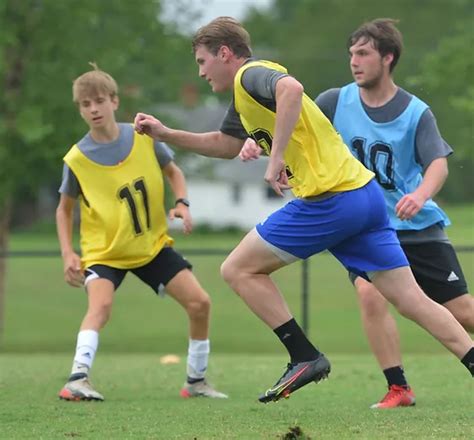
(250, 150)
(72, 270)
(276, 175)
(182, 211)
(148, 124)
(409, 205)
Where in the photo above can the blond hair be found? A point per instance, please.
(224, 31)
(93, 83)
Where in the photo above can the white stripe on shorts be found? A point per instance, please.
(280, 253)
(92, 276)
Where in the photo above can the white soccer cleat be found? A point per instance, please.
(79, 389)
(201, 389)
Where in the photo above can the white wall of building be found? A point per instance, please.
(221, 204)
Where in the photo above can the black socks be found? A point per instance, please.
(299, 347)
(396, 376)
(468, 361)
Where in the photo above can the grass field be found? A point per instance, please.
(142, 401)
(43, 314)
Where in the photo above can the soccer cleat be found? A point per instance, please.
(297, 376)
(396, 396)
(79, 389)
(200, 389)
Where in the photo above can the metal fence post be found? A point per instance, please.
(305, 295)
(213, 251)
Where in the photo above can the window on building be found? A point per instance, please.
(270, 193)
(236, 193)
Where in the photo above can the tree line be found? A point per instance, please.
(45, 44)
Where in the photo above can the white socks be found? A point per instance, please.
(198, 355)
(87, 342)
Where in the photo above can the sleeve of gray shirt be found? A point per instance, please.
(327, 102)
(260, 83)
(69, 184)
(232, 125)
(164, 154)
(429, 144)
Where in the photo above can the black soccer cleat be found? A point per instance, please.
(297, 376)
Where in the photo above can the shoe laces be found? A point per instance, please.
(393, 392)
(289, 367)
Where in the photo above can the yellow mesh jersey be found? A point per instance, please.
(123, 220)
(316, 157)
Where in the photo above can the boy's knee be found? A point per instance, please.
(199, 307)
(462, 308)
(370, 300)
(227, 272)
(100, 314)
(467, 321)
(465, 317)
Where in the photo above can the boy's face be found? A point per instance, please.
(367, 65)
(215, 69)
(98, 110)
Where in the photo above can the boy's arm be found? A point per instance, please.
(177, 181)
(431, 152)
(289, 99)
(213, 144)
(433, 180)
(64, 225)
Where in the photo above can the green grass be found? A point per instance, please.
(42, 315)
(461, 232)
(142, 401)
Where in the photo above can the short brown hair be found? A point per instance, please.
(224, 31)
(93, 83)
(385, 36)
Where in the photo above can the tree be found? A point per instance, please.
(44, 45)
(448, 71)
(309, 38)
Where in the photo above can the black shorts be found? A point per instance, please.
(157, 273)
(436, 269)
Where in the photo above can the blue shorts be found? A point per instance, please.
(353, 225)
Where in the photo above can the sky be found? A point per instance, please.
(210, 9)
(234, 8)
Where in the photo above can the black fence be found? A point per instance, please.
(305, 273)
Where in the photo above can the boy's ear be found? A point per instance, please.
(224, 53)
(387, 59)
(115, 99)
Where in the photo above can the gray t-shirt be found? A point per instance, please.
(429, 145)
(260, 83)
(109, 154)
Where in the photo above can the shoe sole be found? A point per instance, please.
(393, 407)
(70, 397)
(185, 394)
(286, 392)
